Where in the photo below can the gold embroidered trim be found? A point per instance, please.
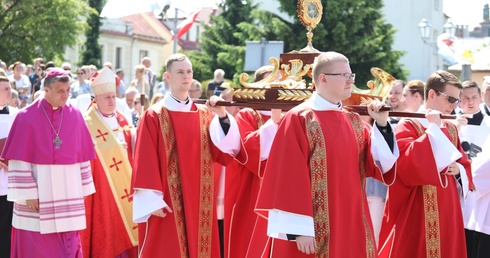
(258, 118)
(358, 128)
(319, 186)
(453, 132)
(431, 211)
(173, 177)
(432, 230)
(206, 201)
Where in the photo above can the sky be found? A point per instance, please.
(465, 12)
(119, 8)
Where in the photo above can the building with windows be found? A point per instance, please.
(125, 41)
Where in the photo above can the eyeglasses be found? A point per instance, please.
(23, 97)
(451, 100)
(346, 76)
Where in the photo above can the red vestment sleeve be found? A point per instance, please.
(417, 165)
(416, 157)
(286, 184)
(149, 163)
(251, 141)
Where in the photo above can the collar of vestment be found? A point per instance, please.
(113, 115)
(318, 103)
(173, 104)
(49, 109)
(476, 119)
(4, 110)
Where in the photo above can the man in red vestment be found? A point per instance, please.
(174, 180)
(109, 210)
(423, 215)
(247, 232)
(313, 187)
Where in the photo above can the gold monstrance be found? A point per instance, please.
(310, 13)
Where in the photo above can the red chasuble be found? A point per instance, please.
(174, 156)
(423, 212)
(106, 234)
(317, 167)
(247, 235)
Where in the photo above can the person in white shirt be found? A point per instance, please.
(21, 80)
(7, 115)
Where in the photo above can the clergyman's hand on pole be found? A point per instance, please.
(218, 110)
(381, 118)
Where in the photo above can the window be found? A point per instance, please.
(118, 61)
(102, 54)
(198, 33)
(143, 53)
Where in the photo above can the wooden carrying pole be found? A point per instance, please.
(361, 110)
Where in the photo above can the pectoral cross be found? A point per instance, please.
(57, 142)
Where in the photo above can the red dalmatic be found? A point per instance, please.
(247, 233)
(175, 156)
(423, 212)
(317, 168)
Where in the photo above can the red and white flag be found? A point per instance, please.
(185, 25)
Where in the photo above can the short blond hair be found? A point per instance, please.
(324, 61)
(174, 58)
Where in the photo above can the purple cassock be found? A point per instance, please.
(58, 176)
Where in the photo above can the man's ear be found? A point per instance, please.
(431, 94)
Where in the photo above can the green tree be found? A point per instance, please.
(39, 28)
(92, 53)
(354, 28)
(223, 42)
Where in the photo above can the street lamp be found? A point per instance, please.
(424, 27)
(449, 27)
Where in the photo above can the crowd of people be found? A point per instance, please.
(94, 167)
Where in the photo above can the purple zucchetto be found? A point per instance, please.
(56, 72)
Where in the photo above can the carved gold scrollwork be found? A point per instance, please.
(296, 70)
(294, 95)
(264, 82)
(249, 94)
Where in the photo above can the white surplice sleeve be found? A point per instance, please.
(443, 149)
(383, 157)
(88, 187)
(145, 202)
(465, 182)
(267, 133)
(480, 168)
(281, 223)
(229, 143)
(21, 181)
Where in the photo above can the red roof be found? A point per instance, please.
(146, 28)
